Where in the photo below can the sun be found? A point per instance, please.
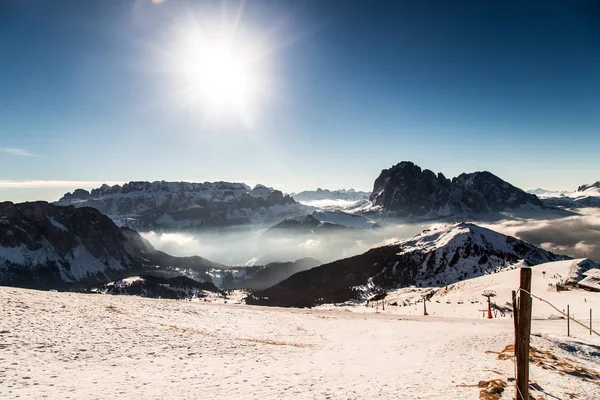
(216, 71)
(216, 75)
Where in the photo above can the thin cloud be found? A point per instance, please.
(17, 152)
(35, 184)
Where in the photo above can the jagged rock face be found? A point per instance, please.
(164, 205)
(484, 191)
(42, 244)
(583, 188)
(408, 191)
(432, 258)
(48, 246)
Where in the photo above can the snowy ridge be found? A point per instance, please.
(466, 250)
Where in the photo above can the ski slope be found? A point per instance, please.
(73, 346)
(464, 299)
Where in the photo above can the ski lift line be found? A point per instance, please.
(566, 315)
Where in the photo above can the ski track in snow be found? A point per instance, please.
(67, 346)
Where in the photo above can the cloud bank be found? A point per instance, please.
(238, 247)
(576, 236)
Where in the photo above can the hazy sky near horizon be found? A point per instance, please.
(309, 94)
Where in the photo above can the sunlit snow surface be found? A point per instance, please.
(64, 345)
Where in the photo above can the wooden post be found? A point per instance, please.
(425, 306)
(524, 333)
(568, 321)
(515, 321)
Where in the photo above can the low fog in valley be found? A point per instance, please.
(576, 236)
(247, 246)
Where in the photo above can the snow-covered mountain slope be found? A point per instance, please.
(164, 205)
(405, 190)
(48, 246)
(323, 221)
(435, 257)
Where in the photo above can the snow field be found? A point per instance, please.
(62, 345)
(71, 346)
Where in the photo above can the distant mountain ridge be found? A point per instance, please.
(326, 194)
(435, 257)
(259, 277)
(405, 190)
(162, 205)
(47, 246)
(320, 221)
(587, 195)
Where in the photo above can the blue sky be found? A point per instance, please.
(347, 88)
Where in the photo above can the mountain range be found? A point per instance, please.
(403, 190)
(72, 243)
(161, 205)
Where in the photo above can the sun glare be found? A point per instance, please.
(216, 74)
(217, 71)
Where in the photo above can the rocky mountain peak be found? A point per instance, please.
(407, 191)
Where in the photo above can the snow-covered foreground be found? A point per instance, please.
(64, 345)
